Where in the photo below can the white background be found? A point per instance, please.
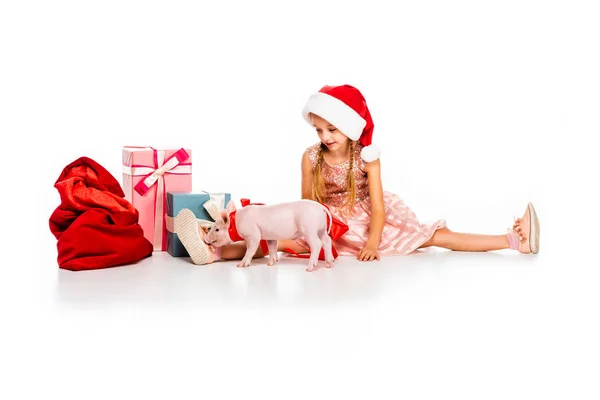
(479, 107)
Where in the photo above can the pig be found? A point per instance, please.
(292, 220)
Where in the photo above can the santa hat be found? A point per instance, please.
(345, 108)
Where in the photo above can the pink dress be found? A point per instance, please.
(402, 232)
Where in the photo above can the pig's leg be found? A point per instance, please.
(315, 248)
(251, 248)
(273, 257)
(326, 239)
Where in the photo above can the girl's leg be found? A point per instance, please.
(236, 251)
(447, 239)
(523, 237)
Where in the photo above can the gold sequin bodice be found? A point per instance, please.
(336, 177)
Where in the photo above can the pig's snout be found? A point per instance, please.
(209, 239)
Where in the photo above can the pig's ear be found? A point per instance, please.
(230, 207)
(224, 216)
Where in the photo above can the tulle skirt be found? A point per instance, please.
(402, 232)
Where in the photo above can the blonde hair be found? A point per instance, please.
(318, 189)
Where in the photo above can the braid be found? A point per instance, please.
(318, 189)
(351, 179)
(318, 182)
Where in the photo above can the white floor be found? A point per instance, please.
(436, 325)
(164, 281)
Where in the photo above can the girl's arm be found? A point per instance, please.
(373, 170)
(307, 177)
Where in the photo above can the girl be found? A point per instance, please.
(343, 171)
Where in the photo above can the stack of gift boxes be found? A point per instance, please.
(158, 182)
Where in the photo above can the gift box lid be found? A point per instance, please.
(177, 201)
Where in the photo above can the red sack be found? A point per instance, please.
(94, 225)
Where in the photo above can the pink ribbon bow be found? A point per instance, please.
(154, 175)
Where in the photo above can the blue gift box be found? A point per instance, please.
(177, 201)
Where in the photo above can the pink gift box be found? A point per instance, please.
(148, 174)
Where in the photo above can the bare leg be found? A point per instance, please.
(445, 238)
(236, 251)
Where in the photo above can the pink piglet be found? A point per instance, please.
(304, 218)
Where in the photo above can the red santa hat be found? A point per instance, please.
(345, 108)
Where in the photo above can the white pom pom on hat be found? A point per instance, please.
(346, 108)
(370, 153)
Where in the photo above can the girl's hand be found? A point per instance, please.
(368, 253)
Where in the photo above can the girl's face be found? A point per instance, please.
(329, 134)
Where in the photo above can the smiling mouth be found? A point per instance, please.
(329, 144)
